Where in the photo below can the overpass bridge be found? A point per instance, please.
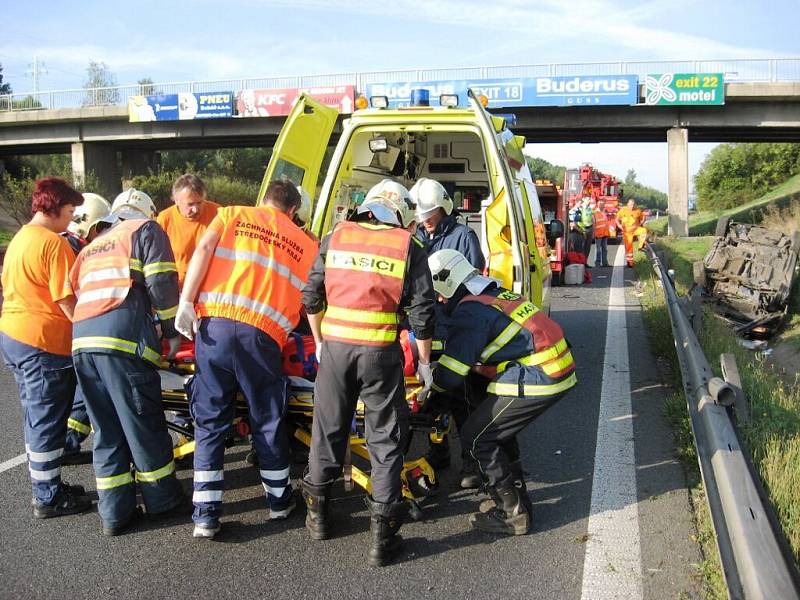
(764, 109)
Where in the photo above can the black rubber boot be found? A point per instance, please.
(511, 515)
(438, 455)
(471, 477)
(384, 522)
(316, 500)
(519, 475)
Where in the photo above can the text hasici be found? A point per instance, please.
(254, 230)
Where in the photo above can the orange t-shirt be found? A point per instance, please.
(184, 234)
(36, 276)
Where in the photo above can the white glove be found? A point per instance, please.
(425, 374)
(318, 353)
(186, 319)
(174, 346)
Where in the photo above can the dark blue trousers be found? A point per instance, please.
(123, 397)
(78, 424)
(46, 385)
(231, 357)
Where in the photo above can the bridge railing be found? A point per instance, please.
(735, 70)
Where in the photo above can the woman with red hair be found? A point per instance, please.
(36, 341)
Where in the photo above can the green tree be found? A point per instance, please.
(146, 87)
(99, 79)
(541, 169)
(630, 177)
(5, 88)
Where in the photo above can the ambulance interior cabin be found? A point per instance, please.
(454, 159)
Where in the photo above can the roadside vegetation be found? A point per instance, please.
(773, 434)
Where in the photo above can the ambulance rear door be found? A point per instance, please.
(300, 148)
(503, 224)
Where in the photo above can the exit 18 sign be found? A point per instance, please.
(668, 89)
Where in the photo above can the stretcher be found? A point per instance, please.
(419, 479)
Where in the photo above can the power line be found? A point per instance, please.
(36, 70)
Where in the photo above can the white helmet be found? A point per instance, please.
(449, 269)
(390, 203)
(133, 204)
(429, 194)
(303, 212)
(87, 215)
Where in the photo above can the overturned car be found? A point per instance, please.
(749, 273)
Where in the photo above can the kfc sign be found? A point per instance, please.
(279, 102)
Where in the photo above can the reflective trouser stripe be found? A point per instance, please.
(207, 496)
(454, 365)
(43, 456)
(44, 475)
(78, 426)
(281, 474)
(153, 476)
(268, 476)
(512, 389)
(208, 476)
(108, 483)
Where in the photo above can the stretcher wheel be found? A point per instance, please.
(414, 510)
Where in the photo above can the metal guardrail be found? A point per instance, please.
(735, 70)
(755, 561)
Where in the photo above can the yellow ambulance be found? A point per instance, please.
(458, 143)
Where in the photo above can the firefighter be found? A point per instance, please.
(187, 220)
(120, 278)
(530, 365)
(81, 231)
(439, 229)
(585, 224)
(601, 235)
(36, 329)
(246, 277)
(368, 271)
(629, 220)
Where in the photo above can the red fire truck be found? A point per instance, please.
(588, 181)
(554, 207)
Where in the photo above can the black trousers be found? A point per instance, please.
(490, 433)
(374, 375)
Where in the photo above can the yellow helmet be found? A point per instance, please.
(94, 208)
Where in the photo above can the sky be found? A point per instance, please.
(228, 39)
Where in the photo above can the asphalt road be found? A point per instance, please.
(444, 558)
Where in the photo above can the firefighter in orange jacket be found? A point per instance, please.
(120, 278)
(246, 277)
(368, 271)
(629, 220)
(530, 365)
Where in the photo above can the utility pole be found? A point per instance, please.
(36, 70)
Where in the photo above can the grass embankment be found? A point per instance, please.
(773, 435)
(5, 237)
(704, 223)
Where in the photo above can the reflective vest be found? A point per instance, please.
(586, 218)
(258, 270)
(364, 272)
(601, 224)
(103, 270)
(629, 218)
(551, 352)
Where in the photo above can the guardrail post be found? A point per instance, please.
(730, 371)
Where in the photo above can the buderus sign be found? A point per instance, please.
(527, 91)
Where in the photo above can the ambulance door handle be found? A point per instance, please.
(533, 267)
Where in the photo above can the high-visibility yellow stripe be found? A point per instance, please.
(512, 389)
(361, 316)
(167, 313)
(538, 358)
(152, 476)
(108, 483)
(155, 268)
(358, 333)
(103, 342)
(136, 264)
(559, 364)
(367, 263)
(437, 345)
(78, 426)
(454, 365)
(152, 356)
(501, 340)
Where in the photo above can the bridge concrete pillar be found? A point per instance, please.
(678, 161)
(138, 162)
(99, 159)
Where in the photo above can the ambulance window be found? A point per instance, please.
(286, 170)
(533, 201)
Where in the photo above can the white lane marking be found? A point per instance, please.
(612, 566)
(13, 462)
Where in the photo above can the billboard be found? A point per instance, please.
(278, 102)
(527, 91)
(672, 89)
(182, 106)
